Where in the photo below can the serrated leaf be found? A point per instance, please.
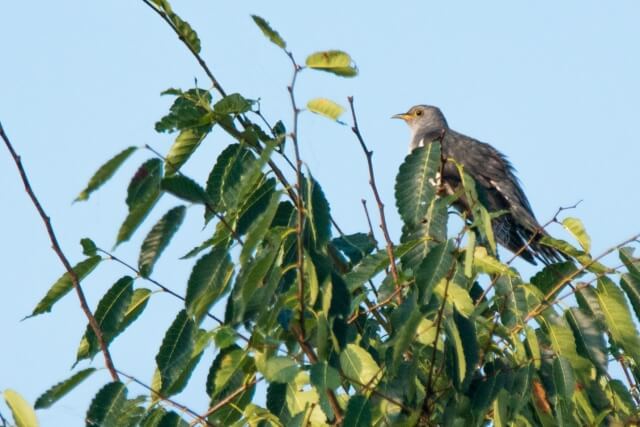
(58, 391)
(355, 246)
(187, 34)
(358, 413)
(105, 172)
(227, 371)
(158, 239)
(184, 146)
(577, 230)
(269, 32)
(563, 377)
(333, 61)
(209, 280)
(416, 185)
(631, 286)
(435, 267)
(172, 419)
(233, 104)
(107, 406)
(191, 109)
(461, 331)
(145, 183)
(137, 305)
(224, 178)
(589, 337)
(489, 264)
(108, 315)
(563, 344)
(318, 212)
(64, 284)
(431, 230)
(553, 275)
(136, 216)
(176, 348)
(358, 364)
(23, 413)
(184, 188)
(280, 369)
(259, 228)
(325, 107)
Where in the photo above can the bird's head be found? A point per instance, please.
(424, 120)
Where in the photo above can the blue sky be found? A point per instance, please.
(552, 84)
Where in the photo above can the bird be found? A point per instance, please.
(517, 228)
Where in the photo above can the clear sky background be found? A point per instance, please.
(554, 85)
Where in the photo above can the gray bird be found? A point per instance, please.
(499, 189)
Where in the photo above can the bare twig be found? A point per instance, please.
(372, 182)
(93, 323)
(168, 400)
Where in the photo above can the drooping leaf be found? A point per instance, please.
(58, 391)
(145, 183)
(184, 146)
(358, 413)
(462, 337)
(563, 344)
(575, 227)
(416, 183)
(324, 377)
(138, 303)
(233, 104)
(269, 32)
(259, 228)
(184, 188)
(105, 172)
(553, 275)
(406, 331)
(23, 413)
(333, 61)
(107, 406)
(489, 264)
(631, 286)
(437, 264)
(357, 364)
(109, 316)
(158, 239)
(589, 337)
(318, 212)
(208, 281)
(89, 248)
(176, 348)
(64, 284)
(224, 178)
(325, 107)
(355, 246)
(136, 216)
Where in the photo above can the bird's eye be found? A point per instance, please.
(418, 112)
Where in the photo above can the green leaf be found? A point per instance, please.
(89, 248)
(489, 264)
(416, 183)
(551, 276)
(631, 286)
(107, 406)
(175, 351)
(325, 107)
(358, 412)
(108, 315)
(184, 188)
(187, 34)
(435, 267)
(318, 212)
(191, 109)
(233, 104)
(575, 227)
(172, 419)
(333, 61)
(259, 228)
(324, 377)
(618, 318)
(355, 246)
(269, 32)
(23, 413)
(563, 344)
(105, 172)
(462, 337)
(209, 280)
(589, 337)
(58, 391)
(227, 371)
(406, 331)
(137, 305)
(158, 239)
(64, 284)
(184, 146)
(224, 178)
(145, 183)
(563, 378)
(280, 369)
(136, 216)
(428, 233)
(357, 364)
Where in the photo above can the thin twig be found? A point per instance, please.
(93, 323)
(372, 182)
(170, 401)
(224, 402)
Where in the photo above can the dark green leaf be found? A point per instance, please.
(406, 332)
(109, 316)
(191, 109)
(227, 371)
(358, 412)
(137, 305)
(88, 247)
(589, 337)
(340, 297)
(64, 284)
(158, 239)
(233, 104)
(254, 204)
(333, 61)
(184, 146)
(136, 215)
(435, 267)
(466, 347)
(355, 246)
(276, 399)
(269, 32)
(259, 228)
(631, 286)
(431, 231)
(59, 390)
(554, 274)
(324, 377)
(208, 281)
(563, 378)
(184, 188)
(175, 351)
(145, 184)
(105, 172)
(224, 179)
(172, 419)
(107, 406)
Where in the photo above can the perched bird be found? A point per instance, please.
(517, 229)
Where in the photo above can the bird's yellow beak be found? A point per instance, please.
(403, 116)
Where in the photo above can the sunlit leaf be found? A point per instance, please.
(184, 146)
(58, 391)
(23, 413)
(158, 239)
(105, 172)
(489, 264)
(575, 227)
(145, 183)
(325, 107)
(176, 348)
(333, 61)
(280, 369)
(269, 32)
(233, 104)
(358, 364)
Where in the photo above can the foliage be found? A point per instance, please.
(458, 337)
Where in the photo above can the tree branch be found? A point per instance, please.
(93, 323)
